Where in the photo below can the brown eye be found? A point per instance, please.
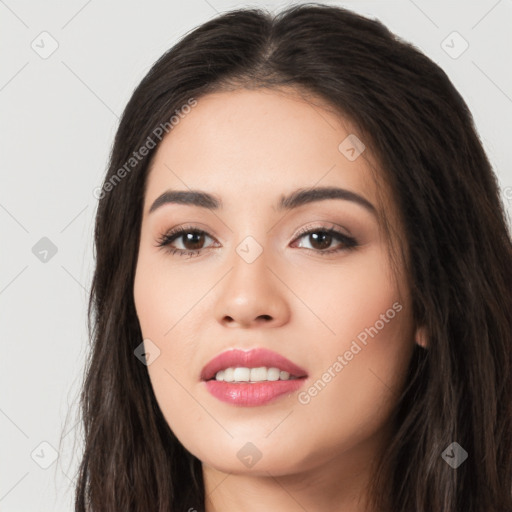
(320, 240)
(193, 240)
(190, 241)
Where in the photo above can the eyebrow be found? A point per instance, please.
(289, 202)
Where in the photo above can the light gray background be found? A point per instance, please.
(58, 119)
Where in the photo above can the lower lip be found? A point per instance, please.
(252, 394)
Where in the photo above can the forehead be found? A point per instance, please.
(248, 144)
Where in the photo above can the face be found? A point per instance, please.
(309, 279)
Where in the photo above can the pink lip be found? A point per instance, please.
(250, 359)
(251, 393)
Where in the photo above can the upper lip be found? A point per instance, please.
(250, 359)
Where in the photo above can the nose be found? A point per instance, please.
(251, 295)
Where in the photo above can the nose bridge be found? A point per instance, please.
(250, 275)
(252, 239)
(251, 292)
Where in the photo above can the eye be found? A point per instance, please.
(321, 238)
(192, 240)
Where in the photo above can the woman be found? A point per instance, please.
(302, 296)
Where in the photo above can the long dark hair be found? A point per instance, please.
(455, 235)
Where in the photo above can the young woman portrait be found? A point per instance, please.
(302, 296)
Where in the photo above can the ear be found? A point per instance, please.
(420, 337)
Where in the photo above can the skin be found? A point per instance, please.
(249, 147)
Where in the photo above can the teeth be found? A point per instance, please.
(242, 375)
(252, 374)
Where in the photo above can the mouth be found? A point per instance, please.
(245, 375)
(252, 378)
(253, 366)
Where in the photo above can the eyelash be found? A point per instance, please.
(167, 238)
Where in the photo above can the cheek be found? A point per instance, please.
(166, 303)
(162, 313)
(358, 299)
(366, 343)
(164, 296)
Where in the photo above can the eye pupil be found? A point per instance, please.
(324, 236)
(192, 237)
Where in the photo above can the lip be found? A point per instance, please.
(252, 394)
(250, 359)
